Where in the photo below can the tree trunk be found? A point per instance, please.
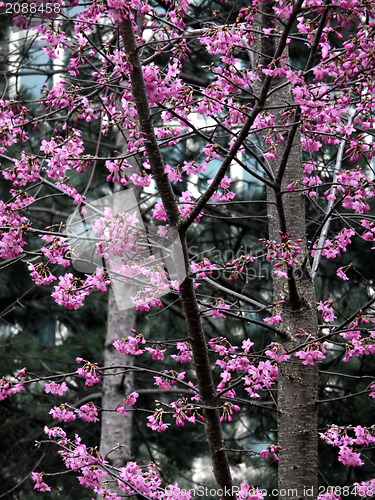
(295, 301)
(205, 382)
(116, 429)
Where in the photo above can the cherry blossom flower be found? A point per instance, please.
(365, 488)
(247, 345)
(186, 354)
(55, 388)
(129, 401)
(129, 344)
(273, 449)
(40, 485)
(168, 379)
(70, 292)
(90, 371)
(327, 310)
(349, 457)
(275, 320)
(277, 352)
(21, 373)
(341, 272)
(157, 353)
(311, 354)
(88, 412)
(63, 412)
(41, 274)
(7, 388)
(155, 421)
(228, 409)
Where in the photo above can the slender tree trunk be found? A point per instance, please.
(205, 382)
(116, 429)
(295, 299)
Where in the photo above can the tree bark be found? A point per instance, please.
(295, 299)
(116, 429)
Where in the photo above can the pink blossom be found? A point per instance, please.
(349, 457)
(55, 388)
(365, 488)
(7, 388)
(57, 249)
(341, 274)
(372, 388)
(222, 346)
(129, 401)
(14, 226)
(228, 409)
(98, 281)
(205, 265)
(273, 449)
(185, 355)
(247, 345)
(168, 379)
(90, 371)
(129, 344)
(56, 433)
(157, 353)
(41, 274)
(277, 352)
(40, 485)
(63, 412)
(25, 170)
(327, 310)
(219, 306)
(275, 320)
(309, 357)
(70, 292)
(328, 496)
(88, 412)
(22, 373)
(155, 421)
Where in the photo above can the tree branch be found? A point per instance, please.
(207, 392)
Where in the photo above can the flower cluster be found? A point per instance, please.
(273, 449)
(13, 225)
(7, 387)
(185, 355)
(168, 378)
(339, 436)
(40, 485)
(90, 371)
(55, 388)
(129, 345)
(255, 376)
(284, 254)
(228, 409)
(239, 265)
(25, 170)
(327, 310)
(333, 248)
(128, 401)
(311, 354)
